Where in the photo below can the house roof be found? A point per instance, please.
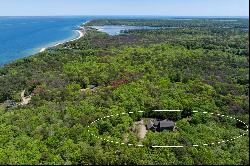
(160, 124)
(167, 123)
(150, 125)
(92, 86)
(156, 123)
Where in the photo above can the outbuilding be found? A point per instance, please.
(160, 125)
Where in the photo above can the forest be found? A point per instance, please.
(199, 65)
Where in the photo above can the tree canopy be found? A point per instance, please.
(199, 66)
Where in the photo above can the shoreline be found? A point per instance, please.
(81, 33)
(80, 30)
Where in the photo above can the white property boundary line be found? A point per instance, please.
(167, 146)
(156, 146)
(167, 110)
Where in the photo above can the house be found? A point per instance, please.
(160, 125)
(11, 104)
(151, 126)
(92, 86)
(166, 125)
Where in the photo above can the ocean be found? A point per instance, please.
(23, 36)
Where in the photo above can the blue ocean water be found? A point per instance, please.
(24, 36)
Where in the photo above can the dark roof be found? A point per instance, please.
(150, 125)
(92, 86)
(11, 103)
(167, 123)
(156, 123)
(160, 124)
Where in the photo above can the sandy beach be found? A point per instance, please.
(81, 34)
(43, 49)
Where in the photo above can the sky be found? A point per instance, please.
(124, 7)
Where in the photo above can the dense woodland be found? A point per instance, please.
(200, 65)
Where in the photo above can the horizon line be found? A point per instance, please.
(124, 15)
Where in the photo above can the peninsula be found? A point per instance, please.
(177, 94)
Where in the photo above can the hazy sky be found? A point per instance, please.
(125, 7)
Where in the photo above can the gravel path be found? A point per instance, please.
(142, 130)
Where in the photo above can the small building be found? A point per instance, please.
(166, 125)
(151, 126)
(11, 104)
(92, 86)
(160, 125)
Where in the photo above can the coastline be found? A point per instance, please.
(81, 32)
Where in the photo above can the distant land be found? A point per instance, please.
(22, 36)
(134, 91)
